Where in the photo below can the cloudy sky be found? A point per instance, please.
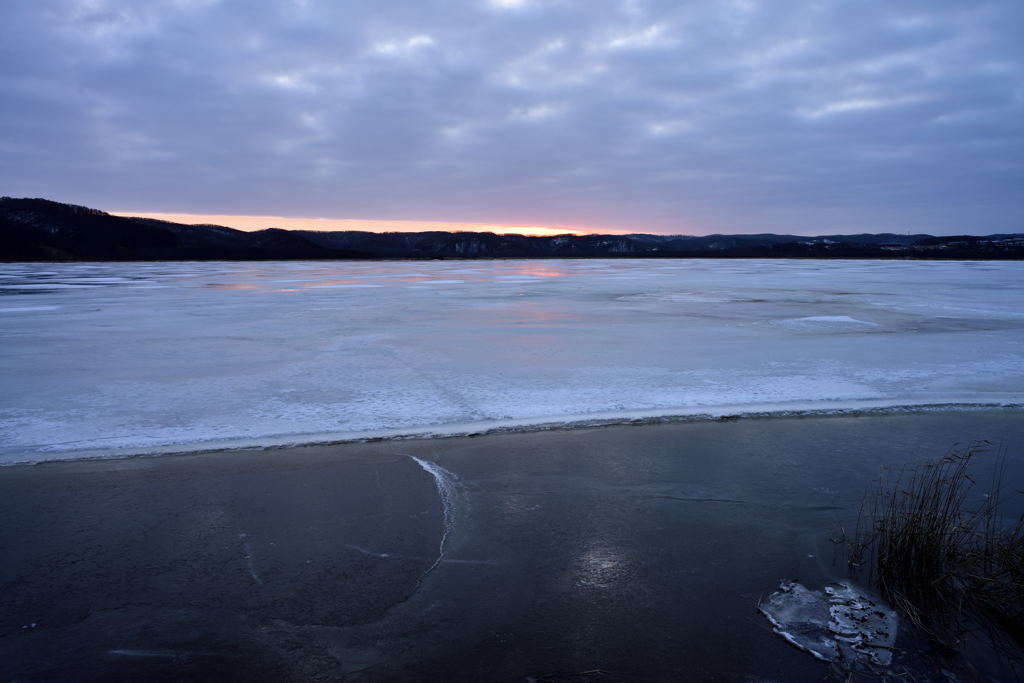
(813, 116)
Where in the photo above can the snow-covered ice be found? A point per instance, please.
(102, 358)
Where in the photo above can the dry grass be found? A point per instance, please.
(943, 558)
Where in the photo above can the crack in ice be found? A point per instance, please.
(247, 551)
(447, 484)
(393, 556)
(364, 551)
(164, 654)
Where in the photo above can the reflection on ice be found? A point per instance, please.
(442, 282)
(601, 568)
(166, 355)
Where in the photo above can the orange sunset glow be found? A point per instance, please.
(250, 223)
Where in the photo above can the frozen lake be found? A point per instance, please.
(106, 358)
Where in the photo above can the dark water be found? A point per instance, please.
(623, 553)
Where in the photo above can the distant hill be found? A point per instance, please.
(44, 230)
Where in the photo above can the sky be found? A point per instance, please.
(661, 116)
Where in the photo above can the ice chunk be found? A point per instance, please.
(861, 625)
(837, 624)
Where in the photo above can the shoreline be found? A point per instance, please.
(808, 409)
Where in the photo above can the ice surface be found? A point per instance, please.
(104, 358)
(838, 624)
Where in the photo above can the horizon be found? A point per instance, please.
(255, 223)
(252, 223)
(247, 223)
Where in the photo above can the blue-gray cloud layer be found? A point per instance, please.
(654, 115)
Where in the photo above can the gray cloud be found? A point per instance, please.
(741, 116)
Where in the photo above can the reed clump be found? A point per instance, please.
(942, 554)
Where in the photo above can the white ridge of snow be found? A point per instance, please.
(25, 309)
(836, 319)
(824, 323)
